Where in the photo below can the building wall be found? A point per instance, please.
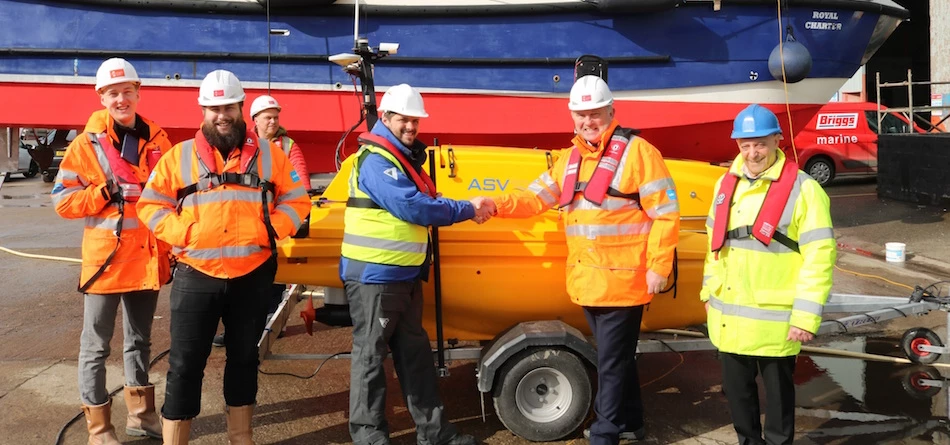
(907, 48)
(940, 45)
(939, 58)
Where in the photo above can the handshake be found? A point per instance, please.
(484, 209)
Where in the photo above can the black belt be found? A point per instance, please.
(362, 203)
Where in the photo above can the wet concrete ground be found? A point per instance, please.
(840, 401)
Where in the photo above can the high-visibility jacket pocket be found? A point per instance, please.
(774, 297)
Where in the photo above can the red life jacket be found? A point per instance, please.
(420, 178)
(764, 228)
(126, 183)
(599, 185)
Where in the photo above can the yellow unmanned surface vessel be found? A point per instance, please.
(506, 271)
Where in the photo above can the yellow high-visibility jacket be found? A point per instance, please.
(755, 292)
(374, 235)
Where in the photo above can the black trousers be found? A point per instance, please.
(198, 302)
(738, 379)
(618, 405)
(389, 317)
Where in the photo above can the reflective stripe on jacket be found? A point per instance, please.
(755, 291)
(141, 261)
(610, 246)
(219, 229)
(293, 151)
(374, 235)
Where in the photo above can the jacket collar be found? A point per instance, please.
(772, 173)
(102, 122)
(207, 153)
(605, 136)
(381, 129)
(416, 154)
(281, 132)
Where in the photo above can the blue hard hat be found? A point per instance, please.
(755, 121)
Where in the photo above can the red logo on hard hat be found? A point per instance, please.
(585, 98)
(117, 73)
(218, 93)
(271, 102)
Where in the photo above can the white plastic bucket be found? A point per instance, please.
(894, 252)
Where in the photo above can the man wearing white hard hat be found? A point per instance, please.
(265, 112)
(621, 229)
(385, 258)
(100, 179)
(222, 200)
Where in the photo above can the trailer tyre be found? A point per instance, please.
(913, 382)
(915, 338)
(543, 394)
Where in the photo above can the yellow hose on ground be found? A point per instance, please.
(824, 351)
(865, 275)
(40, 257)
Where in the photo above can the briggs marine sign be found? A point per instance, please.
(836, 121)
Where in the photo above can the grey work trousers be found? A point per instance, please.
(98, 325)
(389, 317)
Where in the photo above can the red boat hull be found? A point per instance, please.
(317, 119)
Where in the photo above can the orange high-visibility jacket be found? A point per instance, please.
(611, 246)
(219, 229)
(141, 262)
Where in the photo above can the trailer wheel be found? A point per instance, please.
(913, 385)
(543, 394)
(915, 338)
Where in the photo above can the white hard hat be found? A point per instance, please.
(263, 103)
(590, 93)
(115, 71)
(403, 99)
(220, 87)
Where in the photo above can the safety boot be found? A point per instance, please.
(176, 432)
(99, 424)
(142, 420)
(239, 424)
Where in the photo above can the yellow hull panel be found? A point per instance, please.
(506, 271)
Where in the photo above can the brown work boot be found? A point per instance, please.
(99, 424)
(176, 432)
(239, 424)
(142, 420)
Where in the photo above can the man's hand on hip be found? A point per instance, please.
(799, 335)
(655, 282)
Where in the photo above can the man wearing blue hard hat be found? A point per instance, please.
(767, 275)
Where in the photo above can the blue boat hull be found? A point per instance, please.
(682, 55)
